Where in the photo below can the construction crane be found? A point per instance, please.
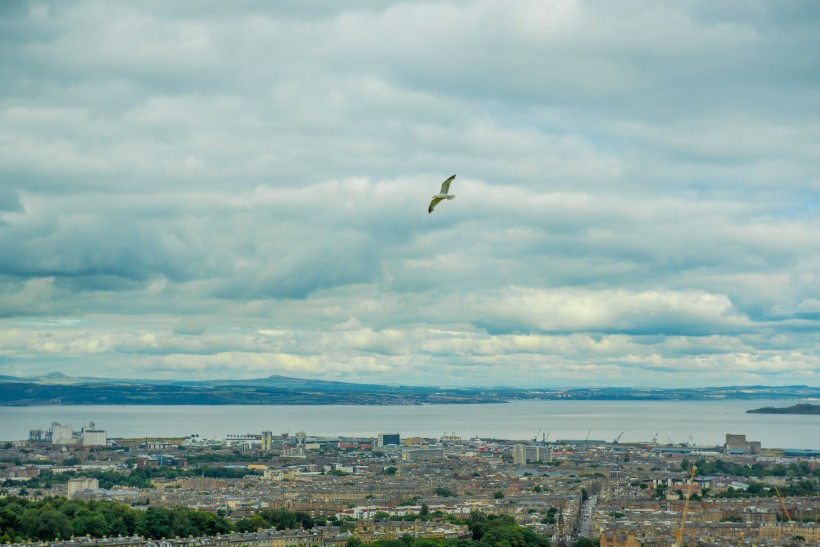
(679, 532)
(783, 503)
(588, 432)
(535, 439)
(618, 438)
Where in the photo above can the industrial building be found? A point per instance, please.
(387, 439)
(737, 444)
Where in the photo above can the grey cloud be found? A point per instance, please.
(9, 201)
(193, 326)
(229, 170)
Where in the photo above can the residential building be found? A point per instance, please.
(267, 440)
(78, 485)
(522, 454)
(422, 454)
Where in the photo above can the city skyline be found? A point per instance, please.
(207, 190)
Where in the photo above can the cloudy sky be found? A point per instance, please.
(239, 189)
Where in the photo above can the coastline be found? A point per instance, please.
(707, 422)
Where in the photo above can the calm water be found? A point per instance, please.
(707, 422)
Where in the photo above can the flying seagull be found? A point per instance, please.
(445, 187)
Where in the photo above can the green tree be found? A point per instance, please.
(155, 523)
(72, 508)
(503, 532)
(10, 518)
(28, 521)
(305, 520)
(389, 543)
(181, 524)
(52, 525)
(91, 524)
(281, 519)
(208, 524)
(503, 536)
(480, 523)
(660, 491)
(549, 518)
(250, 524)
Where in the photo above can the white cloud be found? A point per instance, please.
(228, 190)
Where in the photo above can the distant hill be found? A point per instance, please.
(56, 388)
(794, 409)
(53, 389)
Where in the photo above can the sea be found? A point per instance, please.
(700, 423)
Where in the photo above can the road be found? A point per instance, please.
(584, 528)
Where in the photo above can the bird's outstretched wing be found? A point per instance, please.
(433, 204)
(445, 186)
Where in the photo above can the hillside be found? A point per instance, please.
(57, 388)
(794, 409)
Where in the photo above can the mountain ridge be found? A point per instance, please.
(58, 388)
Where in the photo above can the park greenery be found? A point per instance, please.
(56, 518)
(487, 531)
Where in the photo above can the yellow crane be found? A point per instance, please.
(679, 532)
(783, 503)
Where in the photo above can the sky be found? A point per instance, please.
(204, 190)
